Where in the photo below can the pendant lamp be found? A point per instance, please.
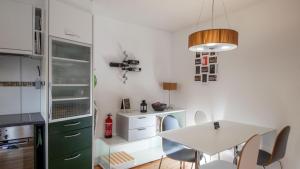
(214, 39)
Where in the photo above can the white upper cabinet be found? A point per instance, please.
(16, 27)
(70, 22)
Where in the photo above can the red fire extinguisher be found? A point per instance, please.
(108, 127)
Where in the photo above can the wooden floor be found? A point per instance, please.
(166, 164)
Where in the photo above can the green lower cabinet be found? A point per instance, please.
(79, 160)
(69, 142)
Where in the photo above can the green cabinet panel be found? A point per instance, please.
(69, 142)
(79, 160)
(69, 125)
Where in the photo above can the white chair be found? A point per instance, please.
(200, 117)
(248, 158)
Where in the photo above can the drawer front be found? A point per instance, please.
(79, 160)
(69, 142)
(69, 125)
(141, 133)
(141, 121)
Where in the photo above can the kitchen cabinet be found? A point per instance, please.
(70, 79)
(70, 144)
(16, 30)
(68, 21)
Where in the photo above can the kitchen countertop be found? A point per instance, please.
(21, 119)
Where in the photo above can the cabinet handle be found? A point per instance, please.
(140, 129)
(72, 124)
(74, 135)
(72, 158)
(142, 117)
(72, 34)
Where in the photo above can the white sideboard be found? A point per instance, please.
(144, 145)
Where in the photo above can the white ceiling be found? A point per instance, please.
(169, 15)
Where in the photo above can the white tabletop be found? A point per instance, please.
(206, 139)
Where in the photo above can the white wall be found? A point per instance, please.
(14, 100)
(259, 82)
(151, 47)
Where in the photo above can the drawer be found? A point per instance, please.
(78, 160)
(141, 121)
(141, 133)
(69, 125)
(69, 142)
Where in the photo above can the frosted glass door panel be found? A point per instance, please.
(71, 79)
(65, 109)
(60, 92)
(70, 51)
(70, 72)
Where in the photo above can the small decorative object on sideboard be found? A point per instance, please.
(125, 104)
(216, 125)
(108, 126)
(127, 65)
(159, 106)
(144, 107)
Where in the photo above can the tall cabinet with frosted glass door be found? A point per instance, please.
(70, 104)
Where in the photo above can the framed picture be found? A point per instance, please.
(204, 78)
(213, 59)
(213, 69)
(125, 105)
(197, 61)
(212, 53)
(198, 54)
(204, 69)
(212, 78)
(198, 78)
(198, 70)
(205, 53)
(205, 60)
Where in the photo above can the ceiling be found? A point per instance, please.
(169, 15)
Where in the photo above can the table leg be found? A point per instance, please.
(197, 162)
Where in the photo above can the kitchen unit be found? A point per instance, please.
(21, 28)
(70, 22)
(22, 143)
(70, 110)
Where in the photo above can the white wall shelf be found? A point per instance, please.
(70, 99)
(70, 85)
(69, 60)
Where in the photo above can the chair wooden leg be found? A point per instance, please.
(161, 159)
(280, 164)
(192, 165)
(180, 164)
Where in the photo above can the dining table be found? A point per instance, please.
(207, 139)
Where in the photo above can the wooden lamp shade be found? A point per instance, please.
(169, 86)
(213, 40)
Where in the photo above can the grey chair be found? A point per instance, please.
(279, 149)
(174, 150)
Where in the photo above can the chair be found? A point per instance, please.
(174, 150)
(248, 158)
(279, 149)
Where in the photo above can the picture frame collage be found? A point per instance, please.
(206, 67)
